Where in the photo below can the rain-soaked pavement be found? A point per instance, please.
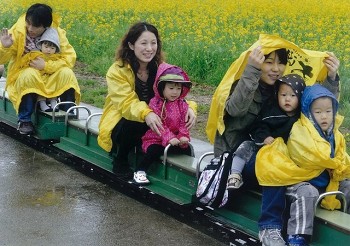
(45, 202)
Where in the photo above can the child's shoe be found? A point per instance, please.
(234, 181)
(140, 177)
(44, 107)
(297, 240)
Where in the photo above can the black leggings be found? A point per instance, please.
(125, 136)
(154, 151)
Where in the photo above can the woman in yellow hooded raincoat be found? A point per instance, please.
(126, 114)
(23, 84)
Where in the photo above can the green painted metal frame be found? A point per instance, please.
(170, 181)
(45, 127)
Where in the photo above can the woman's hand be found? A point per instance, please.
(190, 118)
(332, 64)
(154, 122)
(6, 38)
(256, 57)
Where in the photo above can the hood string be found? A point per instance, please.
(163, 112)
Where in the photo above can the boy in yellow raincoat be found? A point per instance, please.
(315, 161)
(23, 85)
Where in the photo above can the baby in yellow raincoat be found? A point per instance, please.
(49, 48)
(24, 84)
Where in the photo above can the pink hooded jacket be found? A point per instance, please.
(172, 113)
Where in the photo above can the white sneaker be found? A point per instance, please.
(140, 177)
(271, 237)
(234, 181)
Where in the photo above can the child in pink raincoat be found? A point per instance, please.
(170, 89)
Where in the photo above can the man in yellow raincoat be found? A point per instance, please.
(24, 84)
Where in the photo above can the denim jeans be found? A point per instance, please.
(26, 107)
(273, 199)
(27, 104)
(272, 207)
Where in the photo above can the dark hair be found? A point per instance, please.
(282, 55)
(127, 55)
(39, 15)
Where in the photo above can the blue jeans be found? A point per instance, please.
(26, 107)
(273, 199)
(27, 104)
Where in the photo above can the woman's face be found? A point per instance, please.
(145, 47)
(34, 31)
(272, 69)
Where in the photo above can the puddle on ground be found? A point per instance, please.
(51, 197)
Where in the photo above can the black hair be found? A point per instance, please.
(282, 55)
(39, 15)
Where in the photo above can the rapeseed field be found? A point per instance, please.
(202, 36)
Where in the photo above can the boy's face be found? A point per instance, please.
(322, 110)
(48, 49)
(287, 99)
(172, 91)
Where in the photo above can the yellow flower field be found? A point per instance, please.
(202, 36)
(216, 30)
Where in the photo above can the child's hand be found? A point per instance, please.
(184, 140)
(37, 63)
(256, 57)
(6, 38)
(269, 140)
(332, 64)
(174, 141)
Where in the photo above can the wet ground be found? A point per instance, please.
(45, 202)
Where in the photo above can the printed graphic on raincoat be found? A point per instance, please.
(17, 83)
(122, 101)
(307, 154)
(172, 113)
(306, 63)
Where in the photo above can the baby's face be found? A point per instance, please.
(48, 49)
(287, 99)
(322, 110)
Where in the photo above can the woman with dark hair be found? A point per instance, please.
(48, 79)
(248, 85)
(126, 114)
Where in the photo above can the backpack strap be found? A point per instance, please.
(223, 181)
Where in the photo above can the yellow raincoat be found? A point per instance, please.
(305, 157)
(121, 101)
(21, 80)
(268, 43)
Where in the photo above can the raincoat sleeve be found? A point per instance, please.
(121, 88)
(332, 85)
(307, 148)
(240, 99)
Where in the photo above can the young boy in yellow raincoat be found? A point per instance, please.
(23, 85)
(314, 161)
